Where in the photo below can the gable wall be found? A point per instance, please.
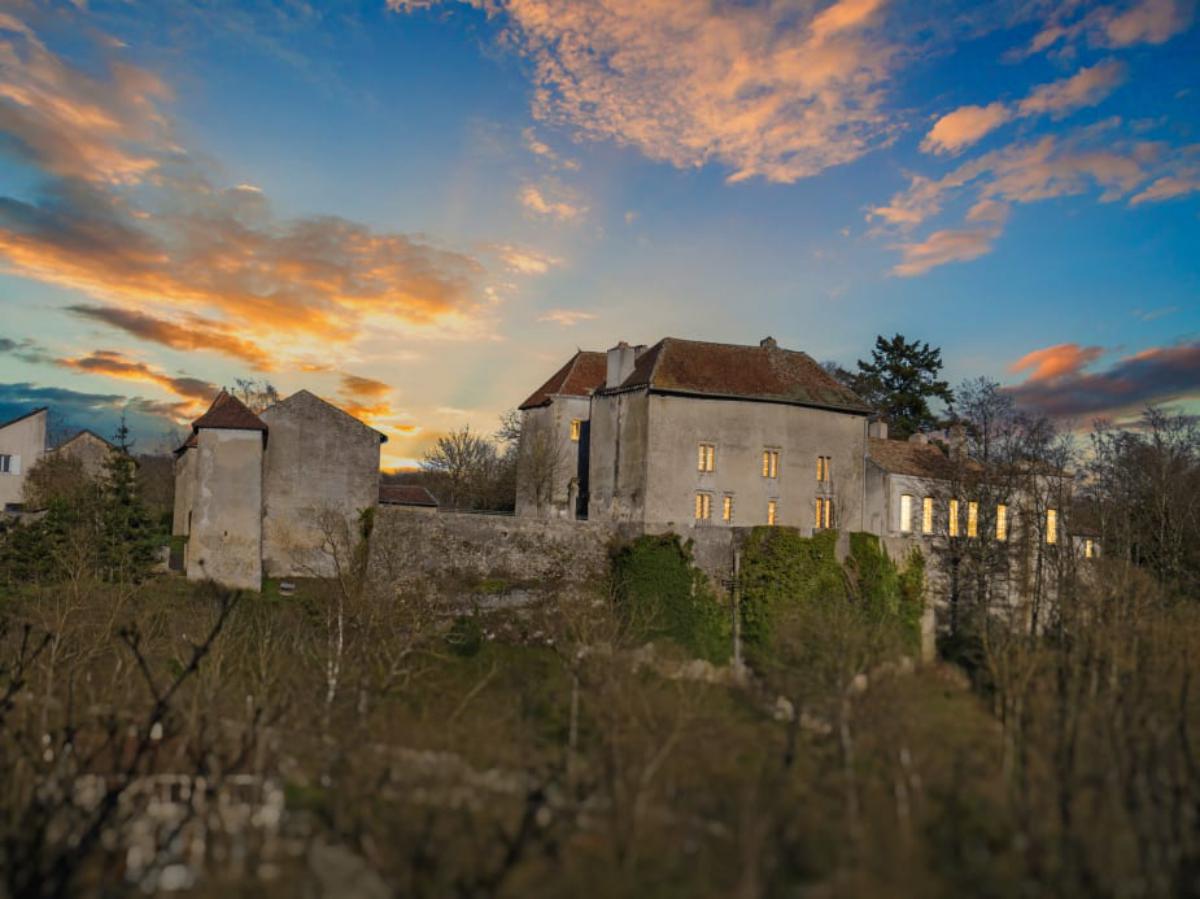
(555, 420)
(320, 470)
(25, 441)
(226, 533)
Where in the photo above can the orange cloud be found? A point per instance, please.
(552, 201)
(196, 334)
(364, 387)
(1056, 361)
(195, 392)
(125, 215)
(964, 126)
(779, 90)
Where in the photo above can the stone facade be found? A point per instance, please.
(320, 471)
(225, 536)
(91, 451)
(274, 493)
(22, 443)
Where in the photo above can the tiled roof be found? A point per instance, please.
(190, 443)
(763, 372)
(405, 495)
(919, 459)
(583, 373)
(229, 413)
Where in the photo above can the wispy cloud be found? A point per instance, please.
(1157, 375)
(525, 261)
(552, 201)
(779, 90)
(969, 124)
(126, 215)
(1055, 361)
(1113, 25)
(566, 317)
(194, 392)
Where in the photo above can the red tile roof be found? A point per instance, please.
(190, 443)
(764, 372)
(405, 495)
(583, 373)
(227, 412)
(919, 459)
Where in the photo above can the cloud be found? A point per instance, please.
(126, 215)
(26, 350)
(1149, 22)
(72, 125)
(101, 412)
(524, 261)
(1156, 375)
(551, 201)
(964, 126)
(1089, 159)
(1056, 361)
(566, 317)
(355, 385)
(1113, 25)
(195, 393)
(969, 124)
(191, 333)
(777, 90)
(1087, 87)
(942, 247)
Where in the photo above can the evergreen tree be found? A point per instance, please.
(900, 380)
(128, 537)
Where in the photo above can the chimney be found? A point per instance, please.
(877, 428)
(621, 359)
(768, 343)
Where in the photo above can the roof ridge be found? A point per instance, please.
(25, 415)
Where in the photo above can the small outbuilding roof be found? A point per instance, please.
(227, 412)
(79, 435)
(583, 374)
(919, 459)
(406, 495)
(765, 372)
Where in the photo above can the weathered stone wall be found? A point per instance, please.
(409, 546)
(320, 470)
(90, 451)
(185, 490)
(24, 441)
(558, 459)
(226, 533)
(617, 468)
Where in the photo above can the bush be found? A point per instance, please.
(662, 594)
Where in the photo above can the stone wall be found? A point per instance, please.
(24, 441)
(409, 546)
(225, 543)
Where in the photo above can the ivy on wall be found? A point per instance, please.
(663, 594)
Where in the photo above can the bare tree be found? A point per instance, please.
(463, 462)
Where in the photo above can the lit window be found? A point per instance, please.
(707, 457)
(772, 511)
(703, 507)
(905, 513)
(972, 519)
(953, 522)
(1002, 522)
(823, 474)
(927, 515)
(5, 464)
(1089, 548)
(820, 512)
(828, 519)
(1051, 525)
(727, 508)
(576, 429)
(770, 463)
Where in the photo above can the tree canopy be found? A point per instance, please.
(900, 380)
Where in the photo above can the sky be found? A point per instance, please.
(420, 209)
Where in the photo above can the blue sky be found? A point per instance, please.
(420, 209)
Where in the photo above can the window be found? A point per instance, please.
(576, 429)
(828, 513)
(727, 508)
(772, 511)
(1089, 548)
(1051, 525)
(770, 466)
(972, 519)
(824, 516)
(703, 506)
(1002, 522)
(952, 524)
(927, 515)
(6, 465)
(823, 468)
(905, 513)
(707, 457)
